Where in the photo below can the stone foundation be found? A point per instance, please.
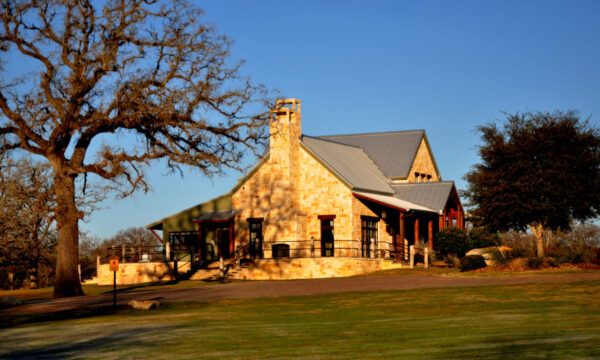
(311, 268)
(135, 273)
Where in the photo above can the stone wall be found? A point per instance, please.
(311, 268)
(135, 273)
(423, 164)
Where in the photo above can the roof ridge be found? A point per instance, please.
(424, 183)
(377, 133)
(331, 141)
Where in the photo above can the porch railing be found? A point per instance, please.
(341, 248)
(133, 254)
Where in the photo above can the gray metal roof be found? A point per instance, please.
(219, 215)
(393, 152)
(350, 163)
(433, 195)
(392, 201)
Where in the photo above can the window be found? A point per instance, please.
(255, 245)
(417, 177)
(183, 240)
(368, 235)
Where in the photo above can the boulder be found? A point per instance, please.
(143, 305)
(487, 253)
(10, 301)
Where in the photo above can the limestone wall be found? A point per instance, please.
(310, 268)
(134, 273)
(423, 164)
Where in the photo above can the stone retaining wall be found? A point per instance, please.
(311, 268)
(134, 273)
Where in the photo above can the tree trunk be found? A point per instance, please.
(33, 278)
(67, 218)
(538, 231)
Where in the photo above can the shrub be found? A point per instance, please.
(472, 262)
(499, 256)
(482, 238)
(535, 262)
(452, 241)
(452, 261)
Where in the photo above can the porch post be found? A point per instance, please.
(231, 240)
(442, 217)
(400, 242)
(416, 231)
(430, 234)
(200, 244)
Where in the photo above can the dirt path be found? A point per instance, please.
(295, 287)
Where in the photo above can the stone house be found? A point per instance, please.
(322, 206)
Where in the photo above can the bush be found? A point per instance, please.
(499, 256)
(452, 241)
(482, 238)
(472, 262)
(535, 262)
(452, 261)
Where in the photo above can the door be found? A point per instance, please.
(368, 235)
(327, 247)
(223, 239)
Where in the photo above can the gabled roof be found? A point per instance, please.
(350, 163)
(393, 152)
(393, 202)
(433, 195)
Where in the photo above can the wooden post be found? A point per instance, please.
(401, 240)
(412, 256)
(168, 250)
(231, 238)
(426, 258)
(430, 234)
(416, 232)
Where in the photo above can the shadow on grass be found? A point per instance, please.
(113, 341)
(7, 321)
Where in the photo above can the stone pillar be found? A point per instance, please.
(168, 250)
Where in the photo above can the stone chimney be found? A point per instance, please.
(285, 133)
(284, 142)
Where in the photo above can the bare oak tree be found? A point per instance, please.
(27, 237)
(115, 87)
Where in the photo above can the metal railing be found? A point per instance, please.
(133, 254)
(336, 248)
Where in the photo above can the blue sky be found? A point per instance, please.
(367, 66)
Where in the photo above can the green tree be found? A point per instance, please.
(112, 86)
(539, 170)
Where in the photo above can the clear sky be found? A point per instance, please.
(367, 66)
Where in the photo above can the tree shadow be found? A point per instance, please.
(120, 339)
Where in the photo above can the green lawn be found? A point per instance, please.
(537, 321)
(31, 295)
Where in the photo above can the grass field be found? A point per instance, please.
(536, 321)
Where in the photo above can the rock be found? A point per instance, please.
(487, 253)
(10, 301)
(143, 305)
